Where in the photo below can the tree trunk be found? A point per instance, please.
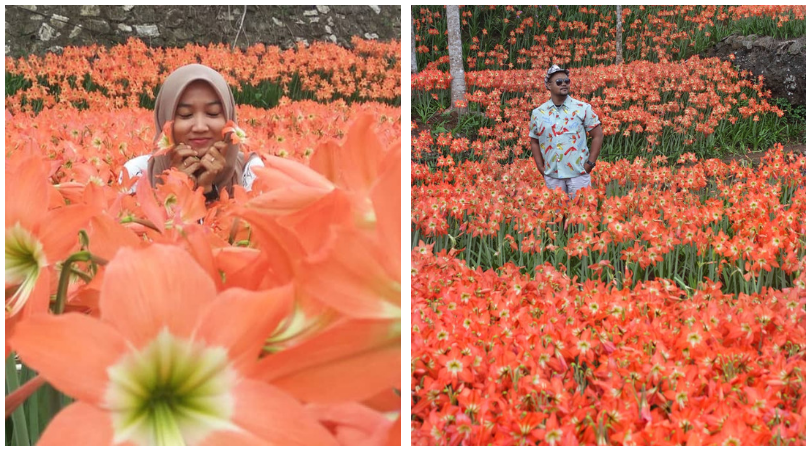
(414, 65)
(457, 86)
(618, 34)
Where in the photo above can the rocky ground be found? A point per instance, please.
(38, 29)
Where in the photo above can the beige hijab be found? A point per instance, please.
(165, 106)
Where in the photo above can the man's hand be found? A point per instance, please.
(537, 155)
(212, 163)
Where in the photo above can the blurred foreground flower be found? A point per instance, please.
(167, 362)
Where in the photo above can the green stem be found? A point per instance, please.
(64, 276)
(20, 436)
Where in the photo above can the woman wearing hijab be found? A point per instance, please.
(198, 104)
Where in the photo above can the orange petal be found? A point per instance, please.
(354, 164)
(355, 359)
(146, 200)
(246, 268)
(395, 433)
(281, 172)
(353, 424)
(71, 351)
(312, 224)
(228, 438)
(352, 279)
(59, 231)
(28, 193)
(386, 400)
(241, 321)
(271, 414)
(107, 236)
(351, 379)
(79, 424)
(385, 196)
(278, 243)
(156, 287)
(342, 340)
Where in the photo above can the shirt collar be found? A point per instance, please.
(550, 104)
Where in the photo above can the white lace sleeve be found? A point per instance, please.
(248, 177)
(135, 167)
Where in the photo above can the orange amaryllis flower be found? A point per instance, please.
(237, 135)
(166, 139)
(167, 362)
(36, 237)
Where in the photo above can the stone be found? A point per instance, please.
(299, 22)
(90, 10)
(371, 36)
(328, 29)
(322, 9)
(375, 8)
(56, 49)
(77, 30)
(59, 21)
(147, 30)
(182, 34)
(790, 83)
(225, 15)
(8, 49)
(277, 22)
(795, 48)
(330, 22)
(127, 7)
(125, 28)
(28, 7)
(314, 20)
(98, 26)
(29, 28)
(176, 18)
(46, 33)
(333, 38)
(117, 14)
(311, 12)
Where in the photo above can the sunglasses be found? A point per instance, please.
(561, 81)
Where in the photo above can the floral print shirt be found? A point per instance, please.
(561, 133)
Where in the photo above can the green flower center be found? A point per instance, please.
(171, 392)
(25, 258)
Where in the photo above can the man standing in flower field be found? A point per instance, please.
(558, 130)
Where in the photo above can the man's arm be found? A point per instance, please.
(537, 155)
(597, 137)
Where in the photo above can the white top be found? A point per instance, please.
(138, 165)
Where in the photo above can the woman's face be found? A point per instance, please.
(199, 117)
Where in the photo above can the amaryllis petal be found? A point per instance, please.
(28, 192)
(351, 278)
(273, 415)
(241, 321)
(353, 424)
(280, 172)
(340, 341)
(353, 165)
(51, 344)
(59, 232)
(79, 424)
(386, 201)
(107, 236)
(354, 378)
(141, 297)
(231, 438)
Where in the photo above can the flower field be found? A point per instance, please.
(269, 317)
(664, 99)
(666, 303)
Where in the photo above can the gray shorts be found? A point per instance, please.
(569, 185)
